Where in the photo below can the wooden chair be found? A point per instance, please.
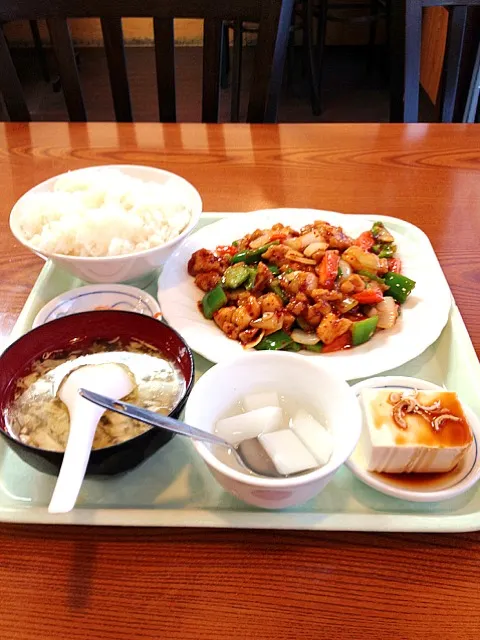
(273, 17)
(406, 42)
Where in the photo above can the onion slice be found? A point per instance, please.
(302, 337)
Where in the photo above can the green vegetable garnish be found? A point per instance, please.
(250, 256)
(387, 251)
(293, 346)
(250, 282)
(316, 348)
(235, 275)
(400, 287)
(212, 301)
(371, 276)
(274, 341)
(274, 269)
(277, 290)
(363, 330)
(380, 233)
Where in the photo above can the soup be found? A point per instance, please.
(38, 418)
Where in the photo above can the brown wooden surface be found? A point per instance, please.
(122, 584)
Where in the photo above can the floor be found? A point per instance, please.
(351, 92)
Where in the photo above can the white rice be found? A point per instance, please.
(103, 212)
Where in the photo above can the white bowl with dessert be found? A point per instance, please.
(307, 421)
(419, 441)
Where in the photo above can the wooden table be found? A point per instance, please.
(123, 584)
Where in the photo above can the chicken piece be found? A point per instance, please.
(288, 320)
(315, 312)
(234, 295)
(298, 305)
(332, 327)
(276, 255)
(248, 309)
(383, 266)
(203, 261)
(263, 278)
(207, 281)
(270, 302)
(360, 260)
(352, 284)
(223, 318)
(247, 336)
(322, 295)
(337, 239)
(299, 282)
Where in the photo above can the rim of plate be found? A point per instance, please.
(124, 290)
(349, 368)
(460, 486)
(195, 215)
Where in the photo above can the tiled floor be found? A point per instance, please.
(350, 92)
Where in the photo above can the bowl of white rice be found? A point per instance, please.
(114, 223)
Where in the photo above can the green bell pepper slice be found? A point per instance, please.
(363, 330)
(235, 275)
(250, 256)
(277, 290)
(275, 341)
(316, 348)
(294, 347)
(400, 287)
(252, 275)
(387, 251)
(212, 301)
(274, 269)
(371, 276)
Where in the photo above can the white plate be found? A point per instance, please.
(423, 315)
(89, 298)
(442, 486)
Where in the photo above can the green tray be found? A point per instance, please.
(174, 487)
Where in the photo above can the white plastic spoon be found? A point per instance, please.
(115, 380)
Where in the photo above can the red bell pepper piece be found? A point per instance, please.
(394, 265)
(226, 250)
(368, 296)
(277, 236)
(365, 241)
(342, 342)
(328, 269)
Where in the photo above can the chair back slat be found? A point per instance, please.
(212, 54)
(67, 68)
(10, 86)
(165, 66)
(274, 17)
(117, 68)
(269, 62)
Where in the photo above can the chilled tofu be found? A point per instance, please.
(287, 452)
(313, 435)
(250, 424)
(259, 400)
(425, 432)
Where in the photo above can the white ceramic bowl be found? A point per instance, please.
(292, 376)
(122, 268)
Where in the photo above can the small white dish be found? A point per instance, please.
(424, 315)
(292, 376)
(119, 297)
(406, 486)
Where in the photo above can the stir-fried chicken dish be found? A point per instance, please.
(316, 288)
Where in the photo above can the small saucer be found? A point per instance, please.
(120, 297)
(423, 487)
